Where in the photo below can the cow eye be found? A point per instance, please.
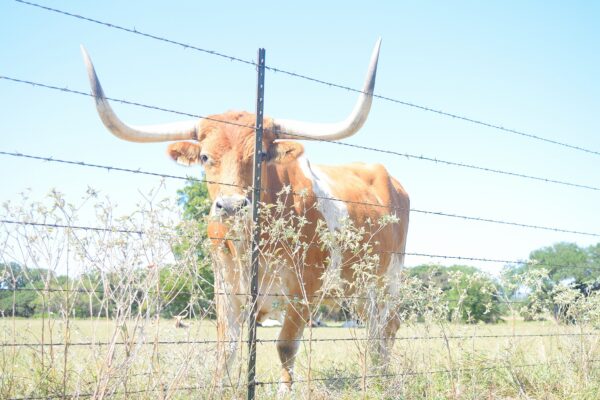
(203, 158)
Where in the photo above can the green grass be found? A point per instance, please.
(550, 367)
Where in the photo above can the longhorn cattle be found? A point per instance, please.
(223, 146)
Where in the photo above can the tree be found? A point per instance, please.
(562, 266)
(472, 296)
(89, 300)
(565, 261)
(20, 289)
(431, 275)
(193, 197)
(594, 258)
(196, 285)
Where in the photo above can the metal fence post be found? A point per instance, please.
(258, 158)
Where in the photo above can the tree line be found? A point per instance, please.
(30, 292)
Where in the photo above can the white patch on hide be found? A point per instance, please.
(333, 211)
(272, 304)
(392, 277)
(394, 270)
(268, 323)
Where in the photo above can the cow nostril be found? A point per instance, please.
(243, 204)
(230, 205)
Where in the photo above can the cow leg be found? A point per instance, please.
(296, 318)
(385, 318)
(389, 317)
(382, 324)
(229, 323)
(374, 329)
(390, 325)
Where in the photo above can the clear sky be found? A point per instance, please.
(530, 66)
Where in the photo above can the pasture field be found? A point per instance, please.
(157, 360)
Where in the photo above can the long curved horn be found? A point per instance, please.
(142, 134)
(290, 129)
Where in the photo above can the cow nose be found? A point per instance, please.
(230, 205)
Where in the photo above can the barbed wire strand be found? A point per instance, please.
(391, 152)
(305, 340)
(327, 198)
(361, 147)
(75, 227)
(122, 101)
(450, 163)
(291, 298)
(415, 254)
(415, 373)
(334, 379)
(120, 393)
(318, 81)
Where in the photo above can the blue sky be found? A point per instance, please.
(528, 66)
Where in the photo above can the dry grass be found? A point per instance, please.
(127, 352)
(554, 367)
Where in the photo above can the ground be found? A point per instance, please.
(502, 361)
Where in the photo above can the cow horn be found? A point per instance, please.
(142, 134)
(290, 129)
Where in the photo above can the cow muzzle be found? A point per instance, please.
(230, 206)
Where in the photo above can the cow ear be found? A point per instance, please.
(284, 152)
(185, 153)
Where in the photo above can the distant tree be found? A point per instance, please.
(594, 255)
(88, 301)
(431, 275)
(566, 261)
(19, 289)
(472, 295)
(561, 264)
(195, 286)
(193, 197)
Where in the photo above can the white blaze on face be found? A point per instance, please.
(333, 211)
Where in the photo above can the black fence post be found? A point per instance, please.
(258, 159)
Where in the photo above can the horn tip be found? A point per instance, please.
(84, 52)
(377, 46)
(86, 58)
(91, 71)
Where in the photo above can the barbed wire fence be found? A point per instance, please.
(140, 298)
(262, 383)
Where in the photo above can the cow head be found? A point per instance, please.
(224, 144)
(224, 147)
